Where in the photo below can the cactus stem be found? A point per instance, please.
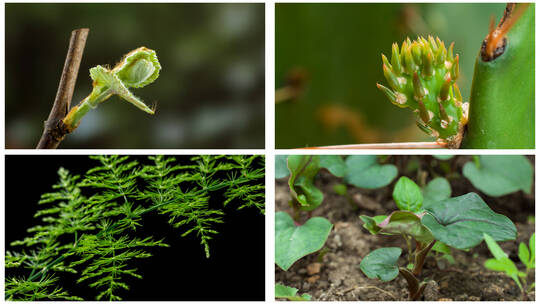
(385, 61)
(423, 112)
(428, 70)
(455, 68)
(457, 93)
(450, 53)
(433, 43)
(443, 113)
(389, 93)
(417, 53)
(445, 89)
(419, 91)
(391, 78)
(441, 54)
(423, 128)
(396, 64)
(410, 66)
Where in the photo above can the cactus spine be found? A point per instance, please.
(422, 76)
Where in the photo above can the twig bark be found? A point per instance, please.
(54, 130)
(403, 145)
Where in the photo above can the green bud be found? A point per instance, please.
(422, 77)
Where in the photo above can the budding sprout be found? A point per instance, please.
(422, 76)
(137, 69)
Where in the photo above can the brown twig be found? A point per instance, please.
(54, 130)
(404, 145)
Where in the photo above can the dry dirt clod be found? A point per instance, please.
(313, 268)
(366, 202)
(431, 292)
(313, 279)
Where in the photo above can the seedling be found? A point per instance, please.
(502, 263)
(458, 222)
(137, 69)
(294, 240)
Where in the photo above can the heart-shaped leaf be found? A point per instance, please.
(498, 175)
(407, 195)
(294, 242)
(333, 163)
(281, 167)
(289, 293)
(381, 264)
(461, 222)
(436, 190)
(399, 222)
(363, 171)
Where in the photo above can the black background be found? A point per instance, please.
(234, 271)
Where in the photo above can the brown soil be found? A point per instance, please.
(340, 278)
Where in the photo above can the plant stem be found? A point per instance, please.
(404, 145)
(421, 257)
(54, 130)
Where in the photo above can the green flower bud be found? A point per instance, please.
(422, 77)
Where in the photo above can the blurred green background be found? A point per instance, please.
(210, 93)
(329, 56)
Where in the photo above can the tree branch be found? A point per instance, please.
(54, 130)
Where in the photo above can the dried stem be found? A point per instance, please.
(54, 130)
(404, 145)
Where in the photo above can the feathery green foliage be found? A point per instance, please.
(91, 235)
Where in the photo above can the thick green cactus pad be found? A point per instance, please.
(422, 76)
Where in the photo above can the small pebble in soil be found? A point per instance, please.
(313, 279)
(296, 278)
(431, 293)
(337, 241)
(313, 268)
(494, 292)
(335, 279)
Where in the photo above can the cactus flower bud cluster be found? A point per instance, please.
(422, 76)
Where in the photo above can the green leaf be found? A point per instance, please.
(443, 157)
(504, 265)
(436, 190)
(381, 264)
(294, 242)
(363, 171)
(441, 247)
(532, 248)
(303, 169)
(289, 293)
(334, 164)
(407, 195)
(340, 189)
(500, 174)
(461, 222)
(399, 222)
(281, 167)
(495, 249)
(370, 223)
(523, 254)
